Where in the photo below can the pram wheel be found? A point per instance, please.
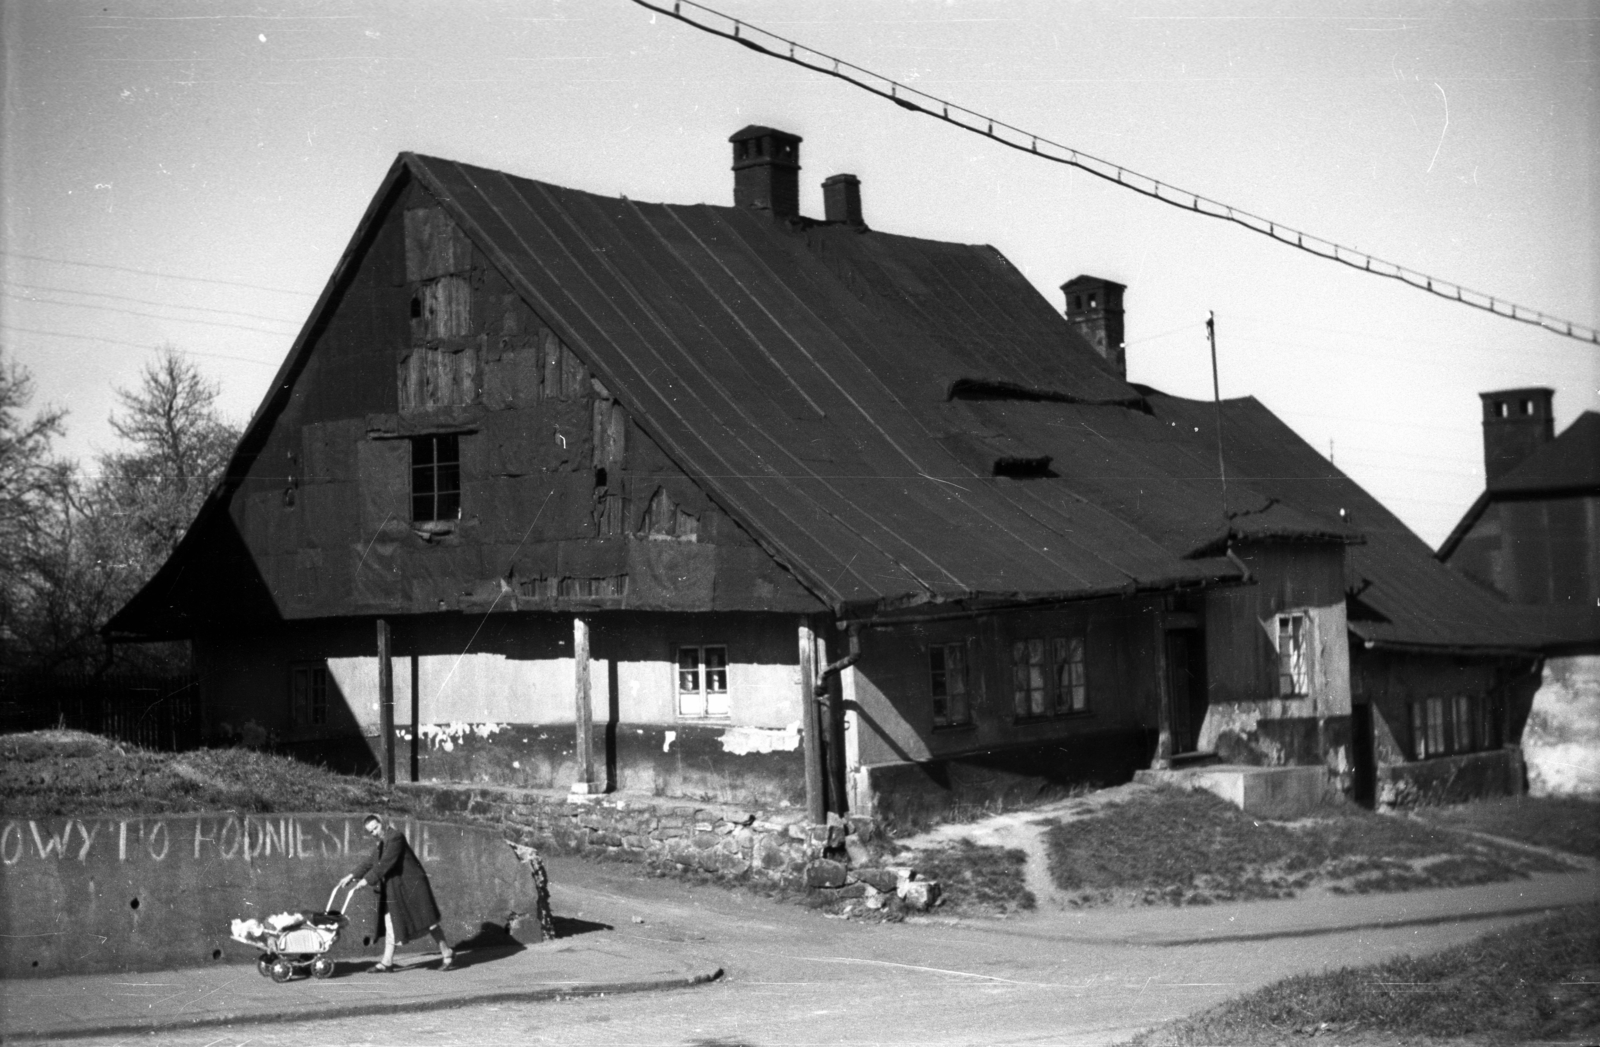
(282, 970)
(264, 966)
(322, 967)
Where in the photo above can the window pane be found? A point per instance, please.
(1419, 731)
(1436, 725)
(688, 670)
(1463, 725)
(1019, 677)
(936, 673)
(716, 670)
(319, 696)
(955, 660)
(299, 695)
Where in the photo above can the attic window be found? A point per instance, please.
(1023, 468)
(1077, 302)
(436, 478)
(1527, 407)
(1501, 409)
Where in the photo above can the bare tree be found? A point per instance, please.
(35, 518)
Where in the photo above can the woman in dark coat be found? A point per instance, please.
(406, 908)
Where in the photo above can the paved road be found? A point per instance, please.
(795, 977)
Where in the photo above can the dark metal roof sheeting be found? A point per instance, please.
(797, 371)
(1569, 463)
(1402, 595)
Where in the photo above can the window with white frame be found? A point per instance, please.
(947, 683)
(1294, 655)
(1049, 676)
(702, 681)
(308, 695)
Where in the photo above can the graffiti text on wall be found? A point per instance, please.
(229, 837)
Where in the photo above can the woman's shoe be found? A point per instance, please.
(449, 963)
(381, 968)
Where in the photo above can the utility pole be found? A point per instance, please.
(1216, 399)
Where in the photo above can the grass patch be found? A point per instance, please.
(977, 878)
(1187, 848)
(72, 773)
(1538, 981)
(1562, 823)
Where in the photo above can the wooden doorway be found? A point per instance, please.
(1363, 765)
(1186, 687)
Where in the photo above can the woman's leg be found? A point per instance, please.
(388, 940)
(444, 947)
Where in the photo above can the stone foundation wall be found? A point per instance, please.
(1450, 779)
(840, 859)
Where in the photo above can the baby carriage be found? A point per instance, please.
(294, 941)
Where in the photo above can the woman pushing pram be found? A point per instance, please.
(406, 908)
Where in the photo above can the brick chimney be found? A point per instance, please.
(1516, 422)
(841, 199)
(1094, 307)
(766, 170)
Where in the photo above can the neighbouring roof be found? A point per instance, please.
(1570, 462)
(846, 394)
(1567, 465)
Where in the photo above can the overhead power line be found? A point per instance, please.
(152, 272)
(132, 345)
(917, 101)
(137, 312)
(49, 289)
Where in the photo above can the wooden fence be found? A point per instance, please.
(157, 712)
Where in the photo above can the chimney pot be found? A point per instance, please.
(766, 170)
(1516, 422)
(1094, 309)
(841, 199)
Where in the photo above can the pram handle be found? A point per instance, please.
(347, 898)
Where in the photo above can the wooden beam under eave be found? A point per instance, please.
(386, 701)
(811, 724)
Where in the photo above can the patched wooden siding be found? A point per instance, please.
(566, 502)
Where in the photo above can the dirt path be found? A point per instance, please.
(1024, 830)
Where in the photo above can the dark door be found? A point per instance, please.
(1186, 687)
(1363, 768)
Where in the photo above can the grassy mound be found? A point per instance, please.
(1539, 981)
(1181, 847)
(977, 878)
(71, 773)
(1565, 823)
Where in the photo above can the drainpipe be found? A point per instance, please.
(833, 720)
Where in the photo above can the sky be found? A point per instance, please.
(188, 173)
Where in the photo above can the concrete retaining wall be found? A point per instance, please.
(148, 893)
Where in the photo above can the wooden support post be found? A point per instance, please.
(386, 701)
(583, 711)
(1163, 758)
(811, 725)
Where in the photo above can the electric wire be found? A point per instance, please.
(152, 272)
(138, 312)
(48, 289)
(1016, 138)
(133, 345)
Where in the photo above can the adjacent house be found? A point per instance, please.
(556, 489)
(1533, 538)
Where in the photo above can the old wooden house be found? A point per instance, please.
(557, 490)
(1533, 538)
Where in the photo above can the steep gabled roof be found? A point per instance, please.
(795, 369)
(851, 398)
(1401, 595)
